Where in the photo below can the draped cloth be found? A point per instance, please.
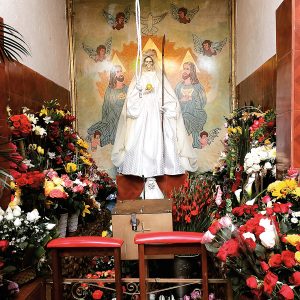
(140, 148)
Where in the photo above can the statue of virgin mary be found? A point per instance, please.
(143, 146)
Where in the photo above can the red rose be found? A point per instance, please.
(215, 227)
(71, 147)
(270, 281)
(97, 294)
(286, 292)
(288, 258)
(229, 248)
(238, 211)
(275, 261)
(251, 282)
(295, 278)
(264, 266)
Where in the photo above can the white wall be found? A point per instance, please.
(44, 27)
(255, 34)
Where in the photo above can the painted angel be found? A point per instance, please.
(206, 138)
(100, 53)
(149, 22)
(182, 14)
(119, 20)
(208, 47)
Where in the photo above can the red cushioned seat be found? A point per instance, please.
(85, 242)
(174, 237)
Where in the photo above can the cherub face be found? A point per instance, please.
(101, 52)
(206, 46)
(121, 20)
(181, 14)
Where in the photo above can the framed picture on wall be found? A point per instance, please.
(198, 64)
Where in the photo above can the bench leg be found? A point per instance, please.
(142, 272)
(57, 275)
(118, 271)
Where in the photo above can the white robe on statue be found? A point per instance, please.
(141, 148)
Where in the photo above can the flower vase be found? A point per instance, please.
(62, 224)
(73, 221)
(184, 266)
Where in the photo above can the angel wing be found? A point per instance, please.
(218, 46)
(90, 51)
(108, 44)
(197, 44)
(174, 11)
(110, 19)
(212, 135)
(191, 13)
(127, 14)
(157, 19)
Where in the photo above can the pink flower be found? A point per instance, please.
(55, 193)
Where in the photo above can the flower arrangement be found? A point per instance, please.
(25, 235)
(193, 204)
(259, 243)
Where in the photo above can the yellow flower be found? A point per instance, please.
(60, 112)
(71, 167)
(291, 184)
(297, 257)
(85, 210)
(272, 186)
(297, 191)
(57, 181)
(85, 161)
(44, 111)
(83, 143)
(267, 142)
(104, 233)
(239, 129)
(293, 239)
(12, 185)
(40, 150)
(48, 186)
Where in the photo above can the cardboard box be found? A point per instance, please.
(151, 215)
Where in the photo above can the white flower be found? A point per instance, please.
(28, 163)
(32, 118)
(38, 130)
(51, 155)
(17, 211)
(256, 168)
(50, 226)
(25, 109)
(266, 223)
(251, 202)
(249, 235)
(294, 220)
(268, 239)
(33, 215)
(47, 120)
(272, 153)
(17, 222)
(9, 216)
(238, 194)
(268, 166)
(2, 212)
(1, 218)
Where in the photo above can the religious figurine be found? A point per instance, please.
(143, 146)
(114, 98)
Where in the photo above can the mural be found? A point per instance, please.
(197, 65)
